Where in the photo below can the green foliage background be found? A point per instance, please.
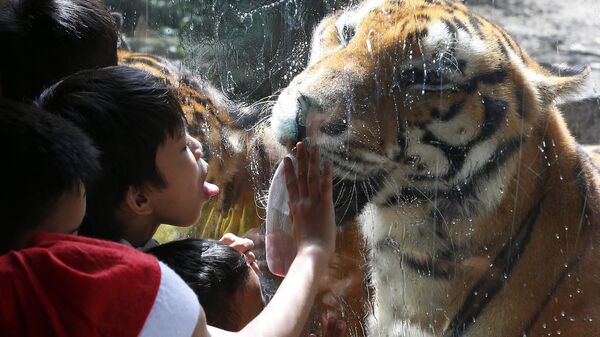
(247, 48)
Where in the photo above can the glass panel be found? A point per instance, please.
(453, 238)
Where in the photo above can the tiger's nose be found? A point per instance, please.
(301, 115)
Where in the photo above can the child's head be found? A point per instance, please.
(149, 174)
(44, 40)
(227, 287)
(47, 164)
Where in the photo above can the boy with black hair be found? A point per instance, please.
(225, 281)
(152, 172)
(44, 40)
(47, 165)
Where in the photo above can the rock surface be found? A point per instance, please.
(558, 32)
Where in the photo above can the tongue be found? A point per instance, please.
(279, 242)
(210, 189)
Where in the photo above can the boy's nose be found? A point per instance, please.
(202, 165)
(197, 153)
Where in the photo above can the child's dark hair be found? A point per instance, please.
(128, 113)
(44, 157)
(44, 40)
(213, 270)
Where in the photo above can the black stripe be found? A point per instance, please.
(157, 64)
(488, 285)
(456, 155)
(503, 49)
(563, 71)
(500, 156)
(347, 162)
(450, 114)
(406, 195)
(496, 77)
(428, 268)
(410, 39)
(462, 65)
(512, 44)
(351, 196)
(493, 78)
(433, 268)
(466, 189)
(403, 26)
(580, 174)
(416, 75)
(451, 28)
(495, 114)
(552, 291)
(450, 4)
(334, 128)
(520, 104)
(423, 17)
(460, 25)
(450, 11)
(588, 215)
(476, 24)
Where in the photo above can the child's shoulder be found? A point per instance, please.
(79, 277)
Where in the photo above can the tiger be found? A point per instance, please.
(478, 208)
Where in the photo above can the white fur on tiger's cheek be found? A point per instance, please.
(235, 140)
(316, 49)
(454, 48)
(283, 119)
(458, 131)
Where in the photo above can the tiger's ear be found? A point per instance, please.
(118, 20)
(558, 81)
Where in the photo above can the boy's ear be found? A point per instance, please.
(138, 201)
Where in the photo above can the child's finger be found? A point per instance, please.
(251, 259)
(330, 326)
(313, 173)
(327, 181)
(302, 168)
(242, 245)
(291, 182)
(340, 328)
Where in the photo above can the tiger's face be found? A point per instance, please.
(419, 98)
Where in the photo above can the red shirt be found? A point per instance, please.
(66, 285)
